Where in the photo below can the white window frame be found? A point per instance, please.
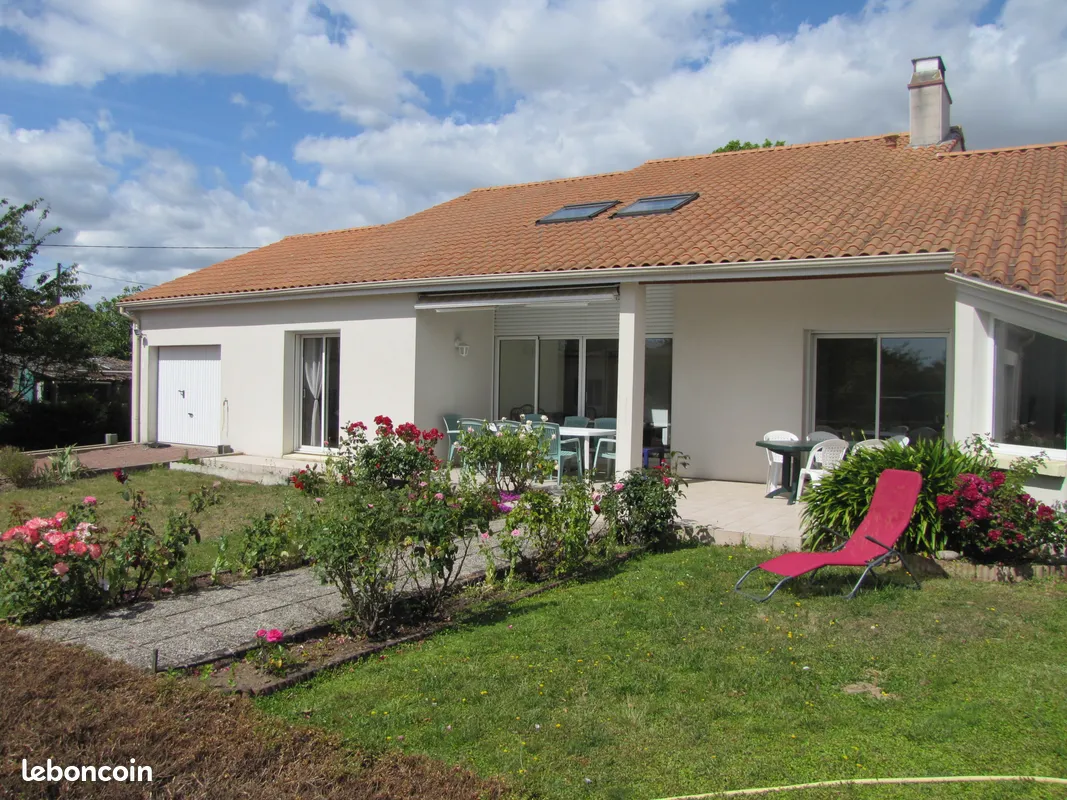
(1039, 314)
(298, 405)
(1024, 450)
(878, 336)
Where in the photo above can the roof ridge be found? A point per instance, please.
(1011, 149)
(800, 146)
(329, 232)
(548, 181)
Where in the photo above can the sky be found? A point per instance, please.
(208, 123)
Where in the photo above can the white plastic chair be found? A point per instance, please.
(900, 439)
(827, 454)
(774, 460)
(661, 420)
(820, 436)
(869, 444)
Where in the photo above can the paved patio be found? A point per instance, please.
(739, 513)
(128, 454)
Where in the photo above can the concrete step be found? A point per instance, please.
(267, 471)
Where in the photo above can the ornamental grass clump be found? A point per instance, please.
(841, 499)
(994, 518)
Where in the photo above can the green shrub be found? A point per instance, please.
(841, 499)
(440, 520)
(508, 459)
(642, 506)
(272, 543)
(357, 541)
(558, 531)
(16, 466)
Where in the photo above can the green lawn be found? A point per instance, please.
(658, 681)
(167, 490)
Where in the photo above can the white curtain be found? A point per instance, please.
(313, 384)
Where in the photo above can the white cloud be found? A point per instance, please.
(599, 87)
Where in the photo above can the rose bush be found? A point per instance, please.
(994, 518)
(642, 506)
(508, 459)
(54, 566)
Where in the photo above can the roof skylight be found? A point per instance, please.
(661, 204)
(578, 211)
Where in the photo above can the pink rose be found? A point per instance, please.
(516, 532)
(438, 496)
(60, 568)
(666, 481)
(94, 551)
(89, 500)
(318, 499)
(618, 487)
(261, 633)
(274, 636)
(485, 536)
(79, 548)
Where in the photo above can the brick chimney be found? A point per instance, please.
(930, 102)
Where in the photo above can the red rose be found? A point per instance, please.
(120, 476)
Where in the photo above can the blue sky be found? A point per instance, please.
(237, 123)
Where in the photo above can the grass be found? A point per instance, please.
(167, 490)
(77, 708)
(657, 681)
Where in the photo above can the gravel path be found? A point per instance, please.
(212, 623)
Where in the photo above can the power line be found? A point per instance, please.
(110, 278)
(153, 246)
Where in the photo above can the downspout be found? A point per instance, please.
(135, 400)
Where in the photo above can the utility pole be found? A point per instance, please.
(59, 291)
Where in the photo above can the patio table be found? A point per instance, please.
(791, 453)
(588, 434)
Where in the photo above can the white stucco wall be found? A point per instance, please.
(445, 382)
(741, 351)
(377, 356)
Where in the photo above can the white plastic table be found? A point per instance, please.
(588, 434)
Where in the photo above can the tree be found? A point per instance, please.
(105, 330)
(736, 144)
(32, 339)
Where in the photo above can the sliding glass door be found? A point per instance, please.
(879, 386)
(579, 376)
(319, 392)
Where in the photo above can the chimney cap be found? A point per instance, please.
(928, 64)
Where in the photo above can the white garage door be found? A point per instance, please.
(189, 395)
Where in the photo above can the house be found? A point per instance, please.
(871, 286)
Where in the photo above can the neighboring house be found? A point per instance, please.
(869, 286)
(105, 378)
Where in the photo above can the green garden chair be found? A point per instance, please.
(556, 452)
(452, 432)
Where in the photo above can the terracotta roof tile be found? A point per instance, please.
(1003, 213)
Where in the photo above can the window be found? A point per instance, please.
(578, 211)
(880, 386)
(661, 204)
(318, 376)
(1030, 390)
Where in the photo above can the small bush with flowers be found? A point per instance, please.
(273, 542)
(508, 459)
(357, 540)
(54, 566)
(68, 564)
(309, 480)
(557, 531)
(994, 518)
(441, 520)
(642, 507)
(395, 455)
(270, 653)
